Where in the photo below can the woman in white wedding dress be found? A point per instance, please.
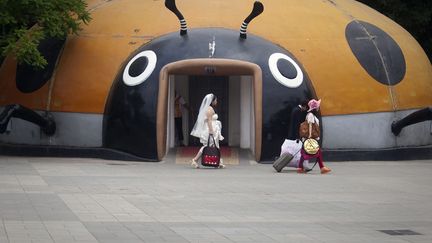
(203, 128)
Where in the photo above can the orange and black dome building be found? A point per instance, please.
(112, 86)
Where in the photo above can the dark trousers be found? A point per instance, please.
(179, 128)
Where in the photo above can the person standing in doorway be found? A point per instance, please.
(298, 115)
(179, 105)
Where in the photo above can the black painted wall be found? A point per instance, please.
(130, 115)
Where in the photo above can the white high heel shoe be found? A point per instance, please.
(221, 164)
(194, 164)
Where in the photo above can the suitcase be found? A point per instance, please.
(282, 161)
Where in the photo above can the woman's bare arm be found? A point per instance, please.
(210, 112)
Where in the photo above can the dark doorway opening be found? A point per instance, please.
(221, 67)
(201, 85)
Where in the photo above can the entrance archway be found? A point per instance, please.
(207, 66)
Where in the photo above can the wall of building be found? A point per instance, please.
(372, 131)
(234, 111)
(72, 129)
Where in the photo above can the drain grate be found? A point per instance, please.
(399, 232)
(116, 164)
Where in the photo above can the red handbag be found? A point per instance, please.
(210, 154)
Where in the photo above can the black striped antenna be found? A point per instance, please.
(258, 8)
(171, 5)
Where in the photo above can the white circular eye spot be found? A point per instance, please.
(288, 82)
(151, 64)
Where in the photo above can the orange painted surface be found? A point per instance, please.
(86, 73)
(313, 31)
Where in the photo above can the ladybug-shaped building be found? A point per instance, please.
(111, 88)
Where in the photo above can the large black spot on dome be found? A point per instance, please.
(29, 78)
(377, 52)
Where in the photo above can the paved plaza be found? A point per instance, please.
(93, 200)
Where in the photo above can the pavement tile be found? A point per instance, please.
(92, 200)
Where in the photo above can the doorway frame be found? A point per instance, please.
(201, 66)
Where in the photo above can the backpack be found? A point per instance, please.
(304, 130)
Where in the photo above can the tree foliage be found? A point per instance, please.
(24, 23)
(414, 15)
